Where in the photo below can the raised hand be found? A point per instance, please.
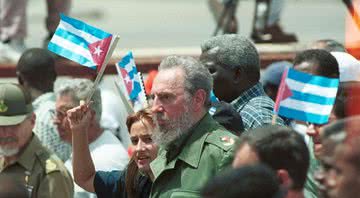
(79, 118)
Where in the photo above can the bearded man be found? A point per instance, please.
(193, 146)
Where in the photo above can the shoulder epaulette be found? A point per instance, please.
(222, 139)
(48, 161)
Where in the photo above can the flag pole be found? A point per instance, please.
(127, 104)
(103, 67)
(273, 120)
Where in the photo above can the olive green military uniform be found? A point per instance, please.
(43, 173)
(183, 168)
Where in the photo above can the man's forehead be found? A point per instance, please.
(307, 67)
(168, 79)
(64, 102)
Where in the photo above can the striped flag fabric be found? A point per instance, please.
(80, 42)
(306, 97)
(132, 81)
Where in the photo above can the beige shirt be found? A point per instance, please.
(42, 172)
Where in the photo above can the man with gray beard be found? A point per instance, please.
(193, 146)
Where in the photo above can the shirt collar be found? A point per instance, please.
(254, 91)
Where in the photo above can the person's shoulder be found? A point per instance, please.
(49, 162)
(222, 139)
(262, 102)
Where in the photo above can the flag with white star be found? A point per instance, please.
(80, 42)
(132, 81)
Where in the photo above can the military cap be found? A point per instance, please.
(15, 104)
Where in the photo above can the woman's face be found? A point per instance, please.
(145, 150)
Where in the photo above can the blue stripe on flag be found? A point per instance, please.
(312, 98)
(314, 80)
(303, 116)
(85, 27)
(71, 55)
(136, 90)
(72, 38)
(125, 61)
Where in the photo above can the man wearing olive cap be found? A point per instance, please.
(21, 153)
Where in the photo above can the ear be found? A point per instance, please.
(284, 178)
(32, 120)
(238, 76)
(199, 99)
(20, 78)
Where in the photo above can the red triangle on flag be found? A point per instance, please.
(99, 49)
(127, 81)
(283, 92)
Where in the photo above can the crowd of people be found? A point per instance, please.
(53, 142)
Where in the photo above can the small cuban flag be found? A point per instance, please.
(127, 69)
(306, 97)
(80, 42)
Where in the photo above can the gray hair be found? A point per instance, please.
(196, 75)
(233, 51)
(79, 89)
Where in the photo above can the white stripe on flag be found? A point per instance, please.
(76, 49)
(306, 106)
(311, 89)
(68, 27)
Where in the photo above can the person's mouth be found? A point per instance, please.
(142, 159)
(7, 140)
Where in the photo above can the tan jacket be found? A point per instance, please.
(42, 172)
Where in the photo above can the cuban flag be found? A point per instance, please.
(127, 70)
(80, 42)
(306, 97)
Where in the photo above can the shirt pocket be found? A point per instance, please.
(185, 193)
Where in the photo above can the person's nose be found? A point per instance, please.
(310, 130)
(140, 146)
(156, 106)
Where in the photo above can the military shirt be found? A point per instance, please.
(207, 150)
(42, 172)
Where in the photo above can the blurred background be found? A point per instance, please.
(186, 23)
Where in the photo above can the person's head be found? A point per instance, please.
(349, 67)
(317, 62)
(233, 62)
(331, 137)
(251, 181)
(338, 112)
(36, 70)
(69, 93)
(140, 126)
(12, 188)
(347, 175)
(271, 77)
(180, 95)
(16, 119)
(281, 148)
(329, 45)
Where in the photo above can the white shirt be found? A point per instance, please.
(107, 154)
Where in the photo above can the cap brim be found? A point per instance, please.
(11, 120)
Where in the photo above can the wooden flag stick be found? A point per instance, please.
(103, 67)
(274, 118)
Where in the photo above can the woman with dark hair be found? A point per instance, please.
(135, 180)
